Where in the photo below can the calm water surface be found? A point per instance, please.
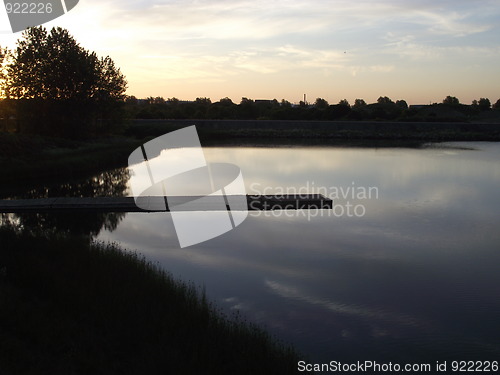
(413, 275)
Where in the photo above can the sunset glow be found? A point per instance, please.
(419, 51)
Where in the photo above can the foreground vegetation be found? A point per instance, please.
(73, 308)
(29, 157)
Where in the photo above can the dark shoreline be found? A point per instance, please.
(323, 131)
(25, 157)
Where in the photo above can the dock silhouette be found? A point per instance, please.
(162, 204)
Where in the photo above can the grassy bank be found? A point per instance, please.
(73, 308)
(28, 157)
(324, 131)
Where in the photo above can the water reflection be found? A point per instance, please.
(48, 225)
(113, 183)
(414, 278)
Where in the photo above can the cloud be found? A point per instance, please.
(257, 60)
(358, 311)
(220, 41)
(253, 20)
(450, 23)
(408, 46)
(219, 20)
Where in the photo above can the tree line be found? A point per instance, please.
(450, 109)
(51, 85)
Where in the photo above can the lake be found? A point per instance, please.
(410, 273)
(404, 268)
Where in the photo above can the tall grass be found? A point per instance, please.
(70, 307)
(27, 157)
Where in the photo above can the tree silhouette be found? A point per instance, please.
(451, 100)
(359, 110)
(223, 109)
(320, 103)
(247, 109)
(384, 100)
(61, 87)
(359, 103)
(484, 104)
(385, 109)
(226, 101)
(342, 109)
(402, 104)
(199, 108)
(203, 101)
(3, 71)
(344, 103)
(285, 104)
(156, 100)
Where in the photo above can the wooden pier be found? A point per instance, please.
(161, 204)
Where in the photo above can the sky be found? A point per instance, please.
(416, 50)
